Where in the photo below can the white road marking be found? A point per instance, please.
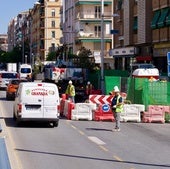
(96, 140)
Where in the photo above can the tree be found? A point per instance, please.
(51, 56)
(85, 61)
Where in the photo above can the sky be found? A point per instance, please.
(10, 9)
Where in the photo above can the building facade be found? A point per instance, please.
(81, 27)
(140, 33)
(144, 27)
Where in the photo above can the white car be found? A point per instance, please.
(5, 77)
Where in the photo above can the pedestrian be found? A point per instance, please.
(89, 88)
(70, 91)
(117, 107)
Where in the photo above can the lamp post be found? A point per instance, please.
(30, 54)
(102, 44)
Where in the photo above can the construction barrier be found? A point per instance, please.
(103, 112)
(155, 113)
(132, 112)
(62, 103)
(68, 106)
(83, 111)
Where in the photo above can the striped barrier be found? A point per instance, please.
(103, 111)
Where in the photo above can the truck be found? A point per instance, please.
(11, 67)
(54, 74)
(61, 77)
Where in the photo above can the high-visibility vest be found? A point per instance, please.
(119, 108)
(70, 90)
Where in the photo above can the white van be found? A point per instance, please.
(37, 102)
(25, 70)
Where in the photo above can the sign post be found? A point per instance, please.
(168, 63)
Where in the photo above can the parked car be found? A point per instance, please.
(5, 77)
(12, 88)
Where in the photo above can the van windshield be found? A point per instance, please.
(25, 70)
(9, 75)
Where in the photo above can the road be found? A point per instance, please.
(85, 144)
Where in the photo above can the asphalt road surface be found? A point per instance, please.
(85, 144)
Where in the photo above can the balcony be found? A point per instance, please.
(92, 34)
(91, 15)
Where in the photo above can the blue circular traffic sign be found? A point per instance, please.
(105, 107)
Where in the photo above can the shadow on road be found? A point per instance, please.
(10, 122)
(97, 159)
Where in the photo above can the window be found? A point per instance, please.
(53, 46)
(97, 11)
(8, 75)
(97, 30)
(135, 23)
(25, 70)
(119, 4)
(53, 12)
(53, 34)
(53, 24)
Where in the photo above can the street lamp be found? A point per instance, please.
(102, 47)
(102, 43)
(30, 28)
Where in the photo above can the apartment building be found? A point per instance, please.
(45, 27)
(37, 31)
(11, 34)
(161, 32)
(3, 42)
(144, 33)
(81, 27)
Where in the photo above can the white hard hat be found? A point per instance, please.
(88, 82)
(116, 89)
(70, 82)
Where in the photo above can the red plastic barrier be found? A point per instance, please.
(100, 114)
(71, 106)
(62, 103)
(155, 113)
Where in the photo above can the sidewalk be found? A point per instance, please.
(8, 158)
(4, 159)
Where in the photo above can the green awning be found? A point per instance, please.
(168, 20)
(155, 19)
(162, 18)
(135, 23)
